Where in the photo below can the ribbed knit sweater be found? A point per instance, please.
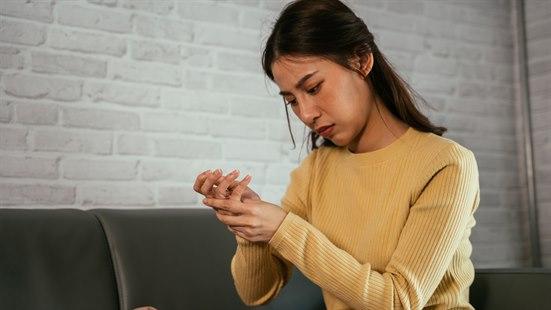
(387, 229)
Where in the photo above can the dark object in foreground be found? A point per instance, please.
(169, 259)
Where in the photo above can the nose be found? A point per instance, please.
(308, 111)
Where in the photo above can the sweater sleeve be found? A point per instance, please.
(258, 271)
(432, 233)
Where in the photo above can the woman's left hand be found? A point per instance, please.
(254, 220)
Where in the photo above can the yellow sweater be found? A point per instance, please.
(387, 229)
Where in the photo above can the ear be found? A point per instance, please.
(363, 63)
(366, 63)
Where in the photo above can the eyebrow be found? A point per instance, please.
(299, 83)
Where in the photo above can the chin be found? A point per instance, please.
(336, 141)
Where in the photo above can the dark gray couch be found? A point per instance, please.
(170, 259)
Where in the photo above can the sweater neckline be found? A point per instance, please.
(398, 146)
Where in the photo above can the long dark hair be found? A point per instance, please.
(330, 29)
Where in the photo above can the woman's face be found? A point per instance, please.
(328, 95)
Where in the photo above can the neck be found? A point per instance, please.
(381, 129)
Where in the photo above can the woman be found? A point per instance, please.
(379, 214)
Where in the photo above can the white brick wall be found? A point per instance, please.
(538, 25)
(117, 103)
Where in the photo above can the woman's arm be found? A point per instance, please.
(431, 235)
(258, 273)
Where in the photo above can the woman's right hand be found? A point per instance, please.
(212, 184)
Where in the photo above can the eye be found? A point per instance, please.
(315, 89)
(291, 103)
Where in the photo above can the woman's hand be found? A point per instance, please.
(251, 219)
(213, 184)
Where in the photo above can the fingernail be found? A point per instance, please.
(235, 171)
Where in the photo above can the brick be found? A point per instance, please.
(86, 42)
(240, 84)
(13, 139)
(186, 148)
(220, 36)
(116, 195)
(539, 67)
(169, 170)
(6, 111)
(472, 90)
(238, 62)
(147, 73)
(36, 194)
(108, 20)
(378, 19)
(209, 11)
(28, 167)
(402, 60)
(60, 140)
(177, 195)
(195, 100)
(279, 174)
(195, 80)
(109, 3)
(33, 86)
(174, 122)
(237, 128)
(442, 86)
(279, 130)
(538, 10)
(254, 19)
(406, 7)
(88, 169)
(538, 48)
(36, 113)
(22, 32)
(257, 107)
(100, 119)
(538, 29)
(251, 3)
(68, 64)
(164, 28)
(249, 150)
(33, 10)
(272, 194)
(162, 7)
(390, 39)
(155, 51)
(540, 84)
(196, 56)
(122, 94)
(273, 5)
(11, 58)
(134, 144)
(435, 65)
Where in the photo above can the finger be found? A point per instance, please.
(230, 220)
(222, 187)
(199, 181)
(240, 188)
(206, 188)
(224, 204)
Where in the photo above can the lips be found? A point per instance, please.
(324, 130)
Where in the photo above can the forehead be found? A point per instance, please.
(288, 70)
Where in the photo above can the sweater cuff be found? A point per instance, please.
(283, 232)
(244, 242)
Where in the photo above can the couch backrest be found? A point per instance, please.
(180, 259)
(170, 259)
(54, 259)
(519, 288)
